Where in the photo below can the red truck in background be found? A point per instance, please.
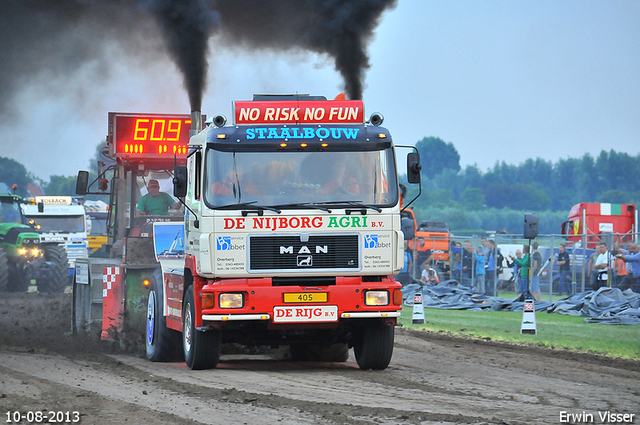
(597, 220)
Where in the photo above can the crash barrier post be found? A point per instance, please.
(418, 309)
(528, 318)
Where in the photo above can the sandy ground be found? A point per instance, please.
(432, 379)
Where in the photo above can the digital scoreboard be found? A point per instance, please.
(148, 135)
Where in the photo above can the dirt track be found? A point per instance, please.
(432, 379)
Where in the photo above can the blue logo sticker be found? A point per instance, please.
(223, 243)
(370, 241)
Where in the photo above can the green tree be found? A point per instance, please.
(61, 185)
(472, 198)
(12, 172)
(436, 156)
(614, 196)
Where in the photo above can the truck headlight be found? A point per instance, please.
(231, 300)
(376, 297)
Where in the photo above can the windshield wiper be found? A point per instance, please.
(248, 205)
(352, 203)
(303, 204)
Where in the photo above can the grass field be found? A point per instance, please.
(554, 330)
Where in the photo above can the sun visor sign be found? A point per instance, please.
(299, 112)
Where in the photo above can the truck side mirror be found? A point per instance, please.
(413, 167)
(530, 226)
(180, 181)
(408, 228)
(82, 182)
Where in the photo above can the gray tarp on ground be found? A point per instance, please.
(607, 305)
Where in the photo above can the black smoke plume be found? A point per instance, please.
(338, 28)
(49, 40)
(186, 28)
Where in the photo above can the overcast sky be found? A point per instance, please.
(502, 80)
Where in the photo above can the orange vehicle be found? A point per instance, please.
(430, 235)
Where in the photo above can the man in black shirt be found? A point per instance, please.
(467, 263)
(565, 270)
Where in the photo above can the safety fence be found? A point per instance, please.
(493, 272)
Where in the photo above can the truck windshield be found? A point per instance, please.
(59, 224)
(293, 178)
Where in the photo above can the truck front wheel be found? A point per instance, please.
(201, 349)
(374, 347)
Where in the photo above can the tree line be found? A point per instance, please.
(473, 200)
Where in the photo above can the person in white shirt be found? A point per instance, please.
(429, 275)
(604, 265)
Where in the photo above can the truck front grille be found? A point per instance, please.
(326, 252)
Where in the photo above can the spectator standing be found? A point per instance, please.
(490, 267)
(621, 271)
(632, 280)
(604, 266)
(423, 255)
(480, 270)
(467, 263)
(485, 244)
(592, 273)
(523, 267)
(454, 260)
(536, 266)
(564, 262)
(512, 264)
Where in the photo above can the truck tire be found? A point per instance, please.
(374, 347)
(163, 343)
(201, 349)
(4, 270)
(59, 277)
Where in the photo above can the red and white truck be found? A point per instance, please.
(291, 235)
(598, 220)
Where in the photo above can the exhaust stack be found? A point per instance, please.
(196, 123)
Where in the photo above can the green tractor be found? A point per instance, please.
(23, 258)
